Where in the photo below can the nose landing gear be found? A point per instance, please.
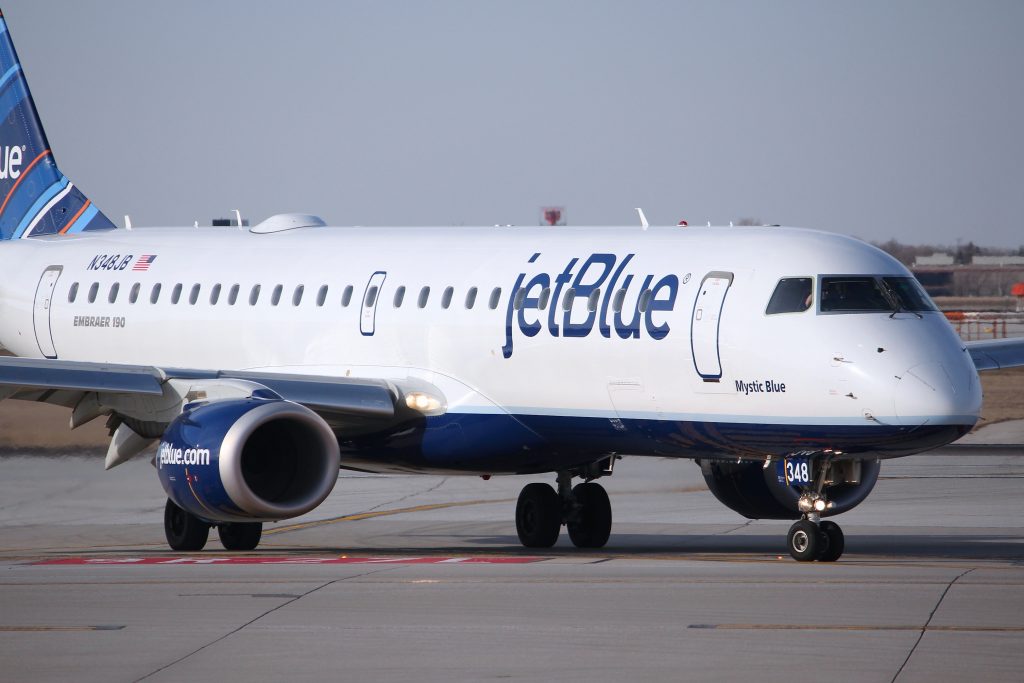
(584, 509)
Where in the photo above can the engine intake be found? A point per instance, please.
(248, 460)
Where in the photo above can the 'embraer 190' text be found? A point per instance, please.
(637, 302)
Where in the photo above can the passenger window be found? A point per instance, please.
(570, 296)
(275, 296)
(371, 297)
(471, 297)
(193, 296)
(645, 300)
(346, 296)
(73, 293)
(399, 296)
(495, 298)
(620, 298)
(254, 295)
(321, 296)
(112, 297)
(133, 296)
(297, 296)
(424, 296)
(545, 294)
(176, 293)
(446, 298)
(154, 295)
(592, 300)
(520, 295)
(93, 291)
(791, 295)
(233, 295)
(215, 294)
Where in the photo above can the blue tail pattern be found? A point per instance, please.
(35, 197)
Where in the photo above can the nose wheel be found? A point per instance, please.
(809, 540)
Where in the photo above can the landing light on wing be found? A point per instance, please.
(424, 403)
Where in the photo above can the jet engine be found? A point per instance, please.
(759, 492)
(248, 460)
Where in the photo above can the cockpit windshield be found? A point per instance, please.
(869, 293)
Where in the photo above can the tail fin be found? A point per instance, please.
(35, 197)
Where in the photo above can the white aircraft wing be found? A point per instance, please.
(996, 354)
(64, 383)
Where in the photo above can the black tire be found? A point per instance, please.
(804, 541)
(835, 542)
(240, 535)
(538, 516)
(592, 524)
(184, 531)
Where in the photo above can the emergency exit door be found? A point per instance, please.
(368, 319)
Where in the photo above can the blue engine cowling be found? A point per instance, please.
(246, 460)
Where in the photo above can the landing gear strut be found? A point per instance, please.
(584, 509)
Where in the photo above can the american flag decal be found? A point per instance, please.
(144, 262)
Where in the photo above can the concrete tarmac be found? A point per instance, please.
(421, 578)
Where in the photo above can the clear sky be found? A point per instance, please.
(876, 119)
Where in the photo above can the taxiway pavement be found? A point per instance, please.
(402, 578)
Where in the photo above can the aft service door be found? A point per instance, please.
(368, 319)
(707, 310)
(41, 310)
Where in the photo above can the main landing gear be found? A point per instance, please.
(584, 509)
(185, 531)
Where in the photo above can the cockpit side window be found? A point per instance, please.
(791, 295)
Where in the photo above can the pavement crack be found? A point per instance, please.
(257, 618)
(429, 489)
(924, 629)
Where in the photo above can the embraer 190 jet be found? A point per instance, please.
(788, 364)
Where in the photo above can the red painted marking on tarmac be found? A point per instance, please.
(284, 560)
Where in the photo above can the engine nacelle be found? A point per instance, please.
(246, 460)
(759, 492)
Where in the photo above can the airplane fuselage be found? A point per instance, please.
(549, 345)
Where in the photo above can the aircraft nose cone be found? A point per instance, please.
(926, 393)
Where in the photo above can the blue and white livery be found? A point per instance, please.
(787, 363)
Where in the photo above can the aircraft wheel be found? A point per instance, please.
(835, 542)
(593, 522)
(804, 541)
(538, 516)
(240, 535)
(184, 530)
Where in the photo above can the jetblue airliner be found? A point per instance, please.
(786, 363)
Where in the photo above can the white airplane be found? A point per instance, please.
(787, 363)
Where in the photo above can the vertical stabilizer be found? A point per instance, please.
(35, 197)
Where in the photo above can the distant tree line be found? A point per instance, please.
(962, 253)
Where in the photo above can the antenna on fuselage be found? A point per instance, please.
(127, 222)
(643, 218)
